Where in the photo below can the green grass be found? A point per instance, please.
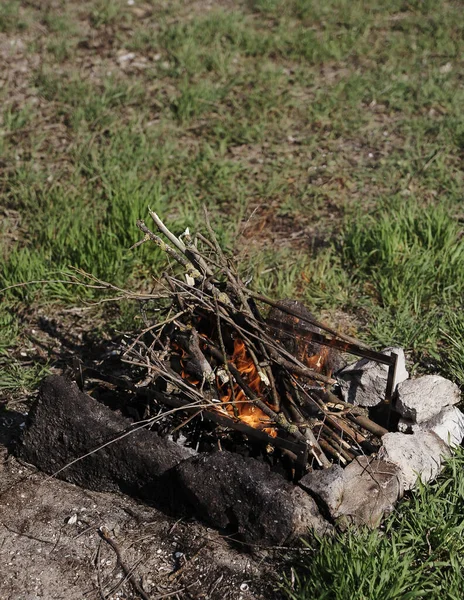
(342, 119)
(410, 256)
(326, 139)
(418, 553)
(12, 18)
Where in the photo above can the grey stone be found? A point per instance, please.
(361, 494)
(364, 382)
(423, 398)
(420, 454)
(372, 487)
(448, 425)
(326, 486)
(306, 517)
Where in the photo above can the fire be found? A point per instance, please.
(246, 410)
(183, 373)
(239, 407)
(318, 361)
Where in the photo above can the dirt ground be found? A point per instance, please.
(50, 546)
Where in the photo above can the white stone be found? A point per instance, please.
(448, 425)
(417, 455)
(421, 399)
(360, 494)
(126, 57)
(327, 486)
(364, 382)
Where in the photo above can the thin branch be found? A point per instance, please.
(166, 248)
(224, 357)
(105, 535)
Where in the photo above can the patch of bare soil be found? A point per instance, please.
(51, 546)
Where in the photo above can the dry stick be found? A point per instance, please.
(337, 442)
(224, 356)
(151, 328)
(217, 247)
(27, 535)
(187, 420)
(305, 430)
(175, 292)
(197, 258)
(104, 534)
(166, 248)
(191, 249)
(198, 293)
(275, 351)
(342, 426)
(335, 423)
(244, 337)
(302, 371)
(327, 447)
(199, 296)
(266, 368)
(278, 418)
(238, 288)
(188, 389)
(339, 439)
(105, 284)
(357, 416)
(179, 244)
(119, 585)
(188, 339)
(187, 564)
(290, 405)
(206, 241)
(36, 281)
(275, 395)
(236, 284)
(263, 372)
(98, 565)
(314, 401)
(366, 423)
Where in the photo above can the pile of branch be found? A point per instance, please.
(191, 360)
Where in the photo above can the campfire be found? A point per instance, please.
(240, 413)
(261, 371)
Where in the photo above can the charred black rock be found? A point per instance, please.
(243, 497)
(225, 490)
(65, 424)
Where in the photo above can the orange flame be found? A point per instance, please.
(183, 354)
(246, 410)
(317, 362)
(239, 407)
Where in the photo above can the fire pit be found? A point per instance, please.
(240, 411)
(268, 378)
